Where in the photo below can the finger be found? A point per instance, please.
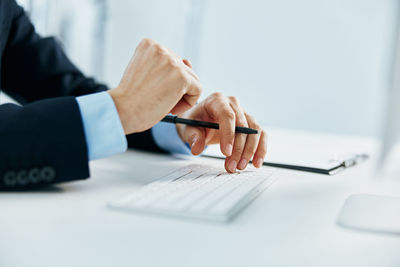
(193, 93)
(261, 151)
(174, 54)
(189, 68)
(187, 62)
(220, 111)
(195, 137)
(190, 71)
(231, 163)
(180, 107)
(251, 142)
(190, 98)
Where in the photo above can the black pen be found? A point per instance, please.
(175, 119)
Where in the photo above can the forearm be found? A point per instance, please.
(105, 136)
(41, 143)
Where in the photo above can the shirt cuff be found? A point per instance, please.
(166, 137)
(103, 129)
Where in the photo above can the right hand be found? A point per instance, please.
(156, 82)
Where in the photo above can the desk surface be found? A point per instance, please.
(293, 223)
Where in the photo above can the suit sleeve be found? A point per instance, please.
(34, 68)
(43, 141)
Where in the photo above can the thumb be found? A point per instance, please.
(180, 107)
(196, 139)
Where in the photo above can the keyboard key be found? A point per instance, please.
(197, 191)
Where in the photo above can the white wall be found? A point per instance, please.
(131, 21)
(311, 64)
(77, 24)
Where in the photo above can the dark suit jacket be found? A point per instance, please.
(43, 141)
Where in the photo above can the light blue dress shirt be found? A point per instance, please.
(105, 135)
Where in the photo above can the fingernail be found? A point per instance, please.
(259, 162)
(193, 140)
(228, 150)
(232, 165)
(242, 164)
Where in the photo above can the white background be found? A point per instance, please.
(311, 64)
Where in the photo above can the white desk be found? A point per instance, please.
(291, 224)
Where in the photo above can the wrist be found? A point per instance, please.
(124, 115)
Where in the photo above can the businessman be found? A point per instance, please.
(66, 119)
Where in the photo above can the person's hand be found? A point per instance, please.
(238, 148)
(156, 82)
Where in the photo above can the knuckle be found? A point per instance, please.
(262, 152)
(241, 122)
(257, 127)
(236, 153)
(182, 79)
(217, 95)
(156, 45)
(233, 99)
(251, 147)
(199, 88)
(159, 49)
(247, 153)
(251, 118)
(265, 135)
(250, 150)
(181, 75)
(229, 114)
(147, 42)
(229, 135)
(172, 62)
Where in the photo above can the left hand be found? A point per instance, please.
(238, 148)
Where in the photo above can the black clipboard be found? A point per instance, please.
(336, 166)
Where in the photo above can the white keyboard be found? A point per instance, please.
(198, 191)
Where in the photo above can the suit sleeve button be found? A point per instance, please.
(48, 174)
(34, 175)
(10, 178)
(22, 177)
